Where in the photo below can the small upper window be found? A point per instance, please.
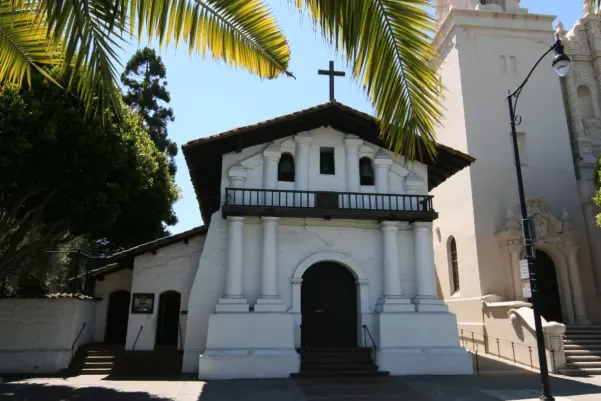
(326, 161)
(286, 168)
(366, 171)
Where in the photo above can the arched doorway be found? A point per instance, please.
(116, 318)
(548, 287)
(168, 318)
(328, 306)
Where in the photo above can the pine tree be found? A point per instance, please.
(145, 79)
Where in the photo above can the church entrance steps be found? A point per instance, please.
(582, 346)
(325, 362)
(114, 361)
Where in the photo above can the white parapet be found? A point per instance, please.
(249, 346)
(421, 343)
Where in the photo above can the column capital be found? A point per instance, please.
(389, 226)
(272, 152)
(238, 171)
(382, 163)
(571, 248)
(422, 224)
(303, 138)
(269, 219)
(352, 141)
(239, 219)
(297, 280)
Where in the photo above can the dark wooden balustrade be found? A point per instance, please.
(327, 205)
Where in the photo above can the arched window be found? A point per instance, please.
(454, 263)
(366, 171)
(286, 168)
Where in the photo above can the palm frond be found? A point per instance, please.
(387, 44)
(23, 43)
(241, 33)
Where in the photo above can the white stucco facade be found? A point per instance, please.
(245, 316)
(486, 51)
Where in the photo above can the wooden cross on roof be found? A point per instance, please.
(331, 74)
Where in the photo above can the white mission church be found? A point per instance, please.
(317, 239)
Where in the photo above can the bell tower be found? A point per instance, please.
(486, 48)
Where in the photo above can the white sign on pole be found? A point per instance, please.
(525, 276)
(524, 272)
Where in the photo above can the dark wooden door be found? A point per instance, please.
(168, 319)
(548, 287)
(328, 306)
(117, 317)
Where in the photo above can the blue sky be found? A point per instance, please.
(210, 97)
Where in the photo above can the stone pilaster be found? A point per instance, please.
(234, 301)
(269, 301)
(393, 300)
(515, 251)
(352, 143)
(576, 284)
(424, 264)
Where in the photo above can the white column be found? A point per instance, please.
(237, 175)
(269, 301)
(393, 300)
(271, 157)
(382, 173)
(352, 143)
(301, 160)
(234, 301)
(576, 284)
(382, 165)
(426, 273)
(406, 260)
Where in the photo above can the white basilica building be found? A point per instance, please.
(318, 241)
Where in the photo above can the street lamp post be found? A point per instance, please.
(561, 63)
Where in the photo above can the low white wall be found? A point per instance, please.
(36, 334)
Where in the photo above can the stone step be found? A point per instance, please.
(585, 364)
(338, 374)
(583, 358)
(579, 345)
(583, 335)
(580, 372)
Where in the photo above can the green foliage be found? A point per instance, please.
(64, 176)
(145, 79)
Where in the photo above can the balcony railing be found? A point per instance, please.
(327, 204)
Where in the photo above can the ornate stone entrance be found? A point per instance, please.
(557, 248)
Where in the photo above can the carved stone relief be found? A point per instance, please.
(592, 128)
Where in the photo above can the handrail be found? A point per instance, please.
(181, 341)
(374, 348)
(138, 336)
(83, 327)
(481, 339)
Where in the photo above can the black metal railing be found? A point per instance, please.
(327, 200)
(83, 327)
(374, 348)
(478, 343)
(181, 341)
(138, 336)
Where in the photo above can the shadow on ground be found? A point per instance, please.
(21, 390)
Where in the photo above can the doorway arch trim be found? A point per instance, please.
(344, 260)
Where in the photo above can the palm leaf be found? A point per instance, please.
(241, 33)
(387, 45)
(23, 43)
